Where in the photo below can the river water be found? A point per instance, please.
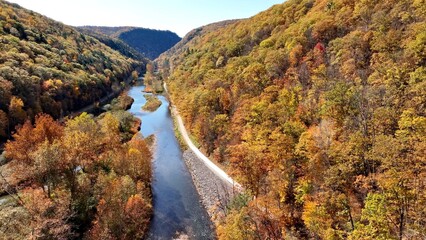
(177, 208)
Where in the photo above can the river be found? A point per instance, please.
(178, 211)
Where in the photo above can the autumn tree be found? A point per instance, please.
(16, 111)
(375, 223)
(237, 226)
(110, 128)
(137, 214)
(317, 108)
(4, 124)
(49, 217)
(134, 160)
(120, 206)
(28, 138)
(81, 141)
(5, 93)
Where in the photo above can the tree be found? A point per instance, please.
(5, 93)
(149, 75)
(134, 160)
(248, 162)
(49, 217)
(317, 219)
(110, 128)
(28, 138)
(135, 75)
(17, 114)
(4, 125)
(111, 219)
(82, 142)
(22, 146)
(137, 213)
(46, 128)
(374, 222)
(48, 165)
(237, 225)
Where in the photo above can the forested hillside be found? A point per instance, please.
(181, 48)
(75, 178)
(318, 108)
(85, 179)
(149, 42)
(48, 67)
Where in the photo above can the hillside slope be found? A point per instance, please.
(318, 109)
(48, 67)
(151, 43)
(182, 47)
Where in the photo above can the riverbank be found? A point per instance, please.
(177, 206)
(214, 193)
(95, 106)
(204, 159)
(215, 187)
(106, 99)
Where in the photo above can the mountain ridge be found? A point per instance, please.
(149, 42)
(114, 43)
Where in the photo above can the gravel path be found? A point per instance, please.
(214, 192)
(215, 187)
(215, 169)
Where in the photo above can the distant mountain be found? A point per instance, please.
(318, 108)
(114, 43)
(151, 43)
(46, 66)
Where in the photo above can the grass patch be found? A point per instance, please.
(178, 135)
(194, 141)
(152, 103)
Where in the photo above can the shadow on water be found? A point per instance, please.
(177, 207)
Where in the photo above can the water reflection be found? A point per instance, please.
(177, 207)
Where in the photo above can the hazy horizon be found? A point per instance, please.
(179, 16)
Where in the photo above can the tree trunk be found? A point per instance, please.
(401, 223)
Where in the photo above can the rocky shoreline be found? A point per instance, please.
(214, 193)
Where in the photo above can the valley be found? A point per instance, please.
(304, 121)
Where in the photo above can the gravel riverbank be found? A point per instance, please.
(215, 187)
(214, 192)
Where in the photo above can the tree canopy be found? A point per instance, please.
(48, 67)
(80, 179)
(318, 108)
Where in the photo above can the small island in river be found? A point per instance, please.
(152, 103)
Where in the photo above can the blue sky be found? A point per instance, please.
(179, 16)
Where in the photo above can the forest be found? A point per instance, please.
(317, 107)
(87, 177)
(47, 67)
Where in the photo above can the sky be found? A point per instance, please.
(179, 16)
